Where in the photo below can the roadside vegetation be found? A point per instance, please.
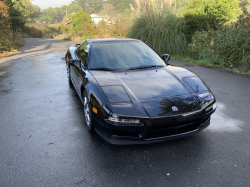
(21, 19)
(214, 33)
(10, 37)
(17, 20)
(79, 26)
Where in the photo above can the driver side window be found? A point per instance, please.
(83, 53)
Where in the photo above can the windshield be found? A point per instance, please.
(123, 54)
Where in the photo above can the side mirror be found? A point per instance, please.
(75, 62)
(166, 58)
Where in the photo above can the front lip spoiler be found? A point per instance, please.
(154, 140)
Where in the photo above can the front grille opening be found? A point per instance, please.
(126, 133)
(170, 131)
(204, 120)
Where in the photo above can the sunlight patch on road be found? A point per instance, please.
(223, 123)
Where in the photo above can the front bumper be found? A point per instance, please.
(155, 130)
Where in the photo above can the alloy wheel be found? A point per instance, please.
(86, 111)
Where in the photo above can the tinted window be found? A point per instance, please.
(123, 54)
(83, 53)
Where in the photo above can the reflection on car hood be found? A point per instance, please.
(158, 90)
(144, 84)
(171, 106)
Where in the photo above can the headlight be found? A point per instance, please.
(124, 120)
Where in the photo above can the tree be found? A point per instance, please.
(203, 14)
(121, 5)
(71, 8)
(90, 6)
(15, 17)
(79, 20)
(4, 27)
(109, 11)
(29, 11)
(48, 15)
(35, 11)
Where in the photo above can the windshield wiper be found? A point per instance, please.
(145, 67)
(102, 68)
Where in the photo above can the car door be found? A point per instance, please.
(74, 70)
(82, 54)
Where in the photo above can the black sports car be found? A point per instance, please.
(131, 95)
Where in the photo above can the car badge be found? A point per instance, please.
(174, 108)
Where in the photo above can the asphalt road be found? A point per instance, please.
(44, 141)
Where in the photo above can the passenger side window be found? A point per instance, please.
(83, 53)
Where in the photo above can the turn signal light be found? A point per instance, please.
(94, 110)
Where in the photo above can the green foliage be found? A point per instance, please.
(79, 20)
(8, 40)
(48, 15)
(161, 31)
(179, 7)
(15, 17)
(32, 32)
(203, 14)
(90, 6)
(245, 6)
(227, 47)
(15, 20)
(36, 30)
(29, 11)
(65, 29)
(71, 8)
(121, 5)
(101, 28)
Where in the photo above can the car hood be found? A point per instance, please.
(144, 84)
(157, 90)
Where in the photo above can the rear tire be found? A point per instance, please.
(87, 112)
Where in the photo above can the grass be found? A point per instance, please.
(208, 63)
(37, 30)
(69, 37)
(205, 62)
(162, 32)
(159, 28)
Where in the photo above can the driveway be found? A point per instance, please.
(44, 140)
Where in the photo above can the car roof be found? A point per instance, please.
(110, 40)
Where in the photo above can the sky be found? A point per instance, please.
(50, 3)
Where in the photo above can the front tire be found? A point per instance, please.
(68, 75)
(87, 112)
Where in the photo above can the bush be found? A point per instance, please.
(32, 32)
(8, 40)
(227, 47)
(203, 14)
(65, 29)
(79, 20)
(120, 28)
